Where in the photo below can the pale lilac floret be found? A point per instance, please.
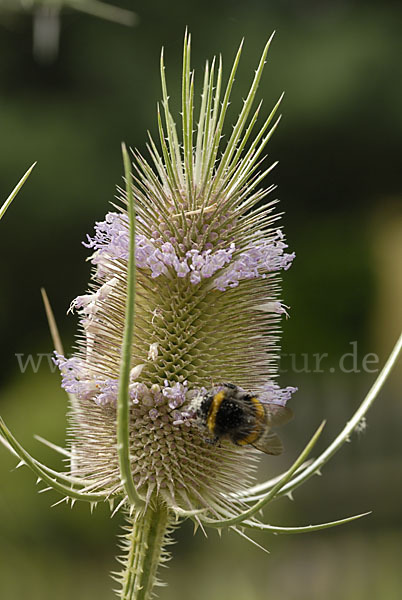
(195, 277)
(111, 236)
(108, 393)
(153, 414)
(255, 261)
(183, 417)
(273, 394)
(144, 252)
(82, 302)
(111, 242)
(88, 304)
(175, 394)
(76, 379)
(155, 263)
(182, 269)
(137, 392)
(79, 381)
(279, 308)
(168, 254)
(206, 263)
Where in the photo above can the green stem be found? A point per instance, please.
(144, 544)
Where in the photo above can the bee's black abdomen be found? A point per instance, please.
(229, 417)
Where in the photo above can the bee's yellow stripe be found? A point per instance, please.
(250, 438)
(259, 419)
(259, 409)
(213, 411)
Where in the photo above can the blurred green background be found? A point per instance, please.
(339, 147)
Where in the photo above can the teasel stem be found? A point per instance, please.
(144, 544)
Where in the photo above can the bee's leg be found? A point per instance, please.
(213, 440)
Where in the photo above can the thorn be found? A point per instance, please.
(242, 534)
(290, 495)
(120, 504)
(272, 35)
(20, 464)
(60, 502)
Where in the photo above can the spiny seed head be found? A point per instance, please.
(207, 306)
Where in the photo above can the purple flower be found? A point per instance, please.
(257, 260)
(271, 393)
(76, 378)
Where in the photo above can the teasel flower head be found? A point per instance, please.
(185, 296)
(208, 255)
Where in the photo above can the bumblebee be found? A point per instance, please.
(229, 412)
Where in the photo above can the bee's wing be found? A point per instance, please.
(276, 415)
(269, 443)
